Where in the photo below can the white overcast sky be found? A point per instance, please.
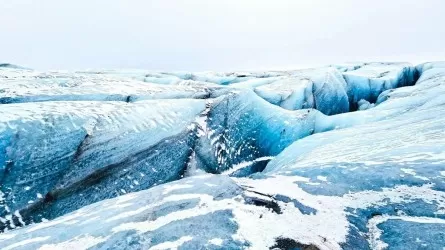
(218, 35)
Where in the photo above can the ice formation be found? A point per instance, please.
(347, 156)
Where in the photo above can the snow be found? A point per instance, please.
(172, 245)
(25, 242)
(246, 164)
(322, 178)
(413, 173)
(171, 188)
(82, 242)
(216, 241)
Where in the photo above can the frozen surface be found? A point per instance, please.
(19, 86)
(324, 90)
(262, 160)
(59, 156)
(369, 80)
(242, 127)
(421, 68)
(335, 89)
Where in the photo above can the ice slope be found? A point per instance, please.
(369, 179)
(242, 127)
(60, 156)
(141, 220)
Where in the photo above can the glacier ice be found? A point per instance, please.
(70, 152)
(253, 160)
(325, 91)
(61, 86)
(370, 80)
(332, 90)
(421, 68)
(243, 127)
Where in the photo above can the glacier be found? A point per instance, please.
(348, 156)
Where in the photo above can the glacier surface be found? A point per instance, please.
(347, 156)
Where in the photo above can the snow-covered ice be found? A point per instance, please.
(348, 156)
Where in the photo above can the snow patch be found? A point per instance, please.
(216, 241)
(172, 244)
(23, 243)
(80, 243)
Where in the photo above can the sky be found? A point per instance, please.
(226, 35)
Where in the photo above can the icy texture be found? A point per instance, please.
(370, 80)
(30, 86)
(59, 156)
(279, 175)
(332, 90)
(429, 65)
(147, 219)
(175, 77)
(325, 90)
(243, 127)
